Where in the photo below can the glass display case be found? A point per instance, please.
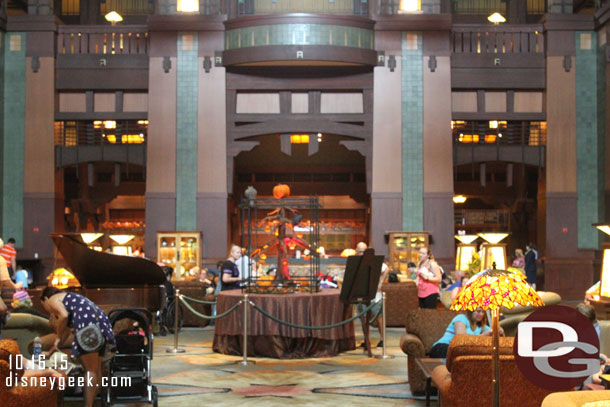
(179, 250)
(404, 249)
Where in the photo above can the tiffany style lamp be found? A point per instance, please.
(491, 290)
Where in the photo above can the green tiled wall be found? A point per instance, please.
(13, 136)
(299, 34)
(589, 138)
(2, 34)
(186, 135)
(412, 136)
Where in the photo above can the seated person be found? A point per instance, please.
(208, 280)
(456, 290)
(471, 323)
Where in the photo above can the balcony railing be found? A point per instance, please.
(102, 40)
(523, 133)
(501, 40)
(484, 219)
(97, 133)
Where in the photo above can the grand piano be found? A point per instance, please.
(110, 280)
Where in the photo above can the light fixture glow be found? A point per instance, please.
(410, 6)
(493, 238)
(459, 199)
(110, 124)
(466, 239)
(113, 17)
(604, 228)
(90, 237)
(496, 18)
(299, 138)
(121, 239)
(493, 124)
(188, 6)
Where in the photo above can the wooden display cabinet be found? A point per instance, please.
(184, 259)
(404, 248)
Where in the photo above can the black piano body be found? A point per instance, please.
(113, 281)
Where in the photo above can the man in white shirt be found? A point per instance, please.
(376, 310)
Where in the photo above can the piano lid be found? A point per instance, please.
(98, 269)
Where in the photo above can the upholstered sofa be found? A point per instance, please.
(22, 396)
(424, 327)
(399, 298)
(466, 379)
(574, 398)
(195, 289)
(23, 328)
(513, 316)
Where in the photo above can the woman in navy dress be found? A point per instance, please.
(77, 312)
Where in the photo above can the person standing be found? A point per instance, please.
(530, 264)
(10, 255)
(230, 272)
(428, 278)
(376, 310)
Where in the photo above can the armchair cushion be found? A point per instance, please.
(424, 327)
(574, 398)
(466, 380)
(400, 298)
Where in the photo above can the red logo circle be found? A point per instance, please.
(556, 348)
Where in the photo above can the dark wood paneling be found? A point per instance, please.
(517, 60)
(312, 124)
(569, 277)
(299, 18)
(287, 54)
(498, 78)
(32, 23)
(467, 154)
(90, 115)
(41, 44)
(163, 44)
(126, 79)
(186, 22)
(299, 78)
(414, 22)
(93, 61)
(560, 43)
(568, 22)
(437, 43)
(498, 116)
(132, 154)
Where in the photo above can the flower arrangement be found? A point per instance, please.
(474, 266)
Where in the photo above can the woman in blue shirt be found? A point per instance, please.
(471, 323)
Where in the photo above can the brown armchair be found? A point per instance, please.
(465, 380)
(399, 299)
(513, 316)
(22, 396)
(195, 289)
(424, 327)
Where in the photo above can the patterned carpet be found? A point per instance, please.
(350, 378)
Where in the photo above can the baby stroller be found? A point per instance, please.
(133, 359)
(167, 315)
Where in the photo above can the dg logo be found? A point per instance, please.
(557, 348)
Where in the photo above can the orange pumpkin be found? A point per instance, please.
(265, 281)
(281, 191)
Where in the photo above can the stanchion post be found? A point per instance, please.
(383, 330)
(245, 361)
(176, 306)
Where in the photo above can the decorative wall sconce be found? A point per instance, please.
(392, 63)
(207, 64)
(167, 64)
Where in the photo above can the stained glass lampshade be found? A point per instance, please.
(491, 290)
